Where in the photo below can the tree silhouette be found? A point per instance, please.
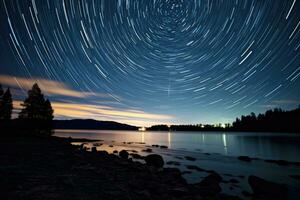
(35, 106)
(6, 105)
(37, 113)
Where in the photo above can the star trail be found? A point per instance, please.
(171, 61)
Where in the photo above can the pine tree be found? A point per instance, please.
(6, 106)
(35, 106)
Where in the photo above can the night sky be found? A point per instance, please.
(148, 62)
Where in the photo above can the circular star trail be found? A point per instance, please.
(195, 60)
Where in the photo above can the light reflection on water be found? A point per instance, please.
(222, 148)
(263, 145)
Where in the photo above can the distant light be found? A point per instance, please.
(142, 129)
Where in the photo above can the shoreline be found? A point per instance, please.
(52, 168)
(83, 169)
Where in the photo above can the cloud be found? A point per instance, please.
(99, 112)
(49, 87)
(72, 109)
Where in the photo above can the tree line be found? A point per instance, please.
(276, 120)
(35, 116)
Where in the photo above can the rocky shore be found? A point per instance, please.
(52, 168)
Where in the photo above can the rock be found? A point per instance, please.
(173, 163)
(172, 176)
(136, 156)
(178, 157)
(163, 147)
(94, 149)
(124, 154)
(267, 190)
(148, 150)
(102, 153)
(245, 158)
(97, 144)
(210, 185)
(155, 145)
(189, 158)
(193, 167)
(154, 160)
(115, 151)
(111, 145)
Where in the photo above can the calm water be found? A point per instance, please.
(278, 146)
(213, 151)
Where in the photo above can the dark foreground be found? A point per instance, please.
(51, 168)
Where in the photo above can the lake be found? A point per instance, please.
(216, 151)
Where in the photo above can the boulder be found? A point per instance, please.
(267, 190)
(210, 185)
(163, 147)
(154, 160)
(124, 154)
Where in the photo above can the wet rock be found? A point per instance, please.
(154, 160)
(189, 158)
(124, 154)
(210, 185)
(245, 158)
(173, 163)
(94, 149)
(155, 145)
(148, 150)
(267, 190)
(136, 156)
(97, 144)
(178, 157)
(172, 176)
(194, 167)
(102, 153)
(115, 151)
(163, 147)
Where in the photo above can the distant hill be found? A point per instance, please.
(91, 125)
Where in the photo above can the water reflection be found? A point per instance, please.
(263, 145)
(169, 140)
(224, 143)
(143, 136)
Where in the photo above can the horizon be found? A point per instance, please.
(153, 62)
